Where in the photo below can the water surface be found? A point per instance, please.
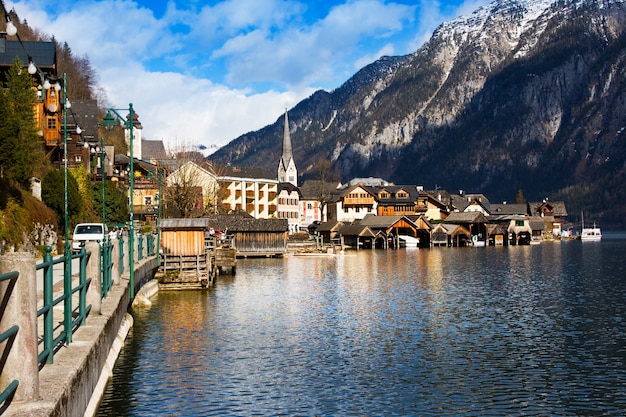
(534, 330)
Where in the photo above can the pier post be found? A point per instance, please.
(94, 292)
(19, 307)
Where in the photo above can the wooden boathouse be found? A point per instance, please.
(253, 237)
(186, 261)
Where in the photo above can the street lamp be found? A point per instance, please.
(67, 256)
(110, 120)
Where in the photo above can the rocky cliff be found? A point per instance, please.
(524, 95)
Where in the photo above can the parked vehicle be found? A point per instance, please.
(88, 232)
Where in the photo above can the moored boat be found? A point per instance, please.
(590, 233)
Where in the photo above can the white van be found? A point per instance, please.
(84, 232)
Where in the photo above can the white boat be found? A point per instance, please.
(590, 234)
(477, 243)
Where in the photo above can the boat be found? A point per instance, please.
(590, 234)
(476, 242)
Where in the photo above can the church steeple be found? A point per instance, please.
(287, 171)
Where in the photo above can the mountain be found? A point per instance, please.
(527, 94)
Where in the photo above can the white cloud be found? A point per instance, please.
(206, 74)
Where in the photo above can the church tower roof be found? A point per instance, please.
(287, 152)
(287, 171)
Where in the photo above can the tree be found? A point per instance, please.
(519, 197)
(116, 201)
(328, 178)
(20, 146)
(53, 195)
(191, 187)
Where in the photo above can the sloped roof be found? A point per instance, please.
(42, 53)
(289, 187)
(557, 208)
(152, 149)
(256, 173)
(247, 223)
(355, 230)
(329, 226)
(199, 223)
(464, 218)
(508, 209)
(382, 222)
(393, 190)
(85, 113)
(450, 229)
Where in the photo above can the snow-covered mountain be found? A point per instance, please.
(520, 94)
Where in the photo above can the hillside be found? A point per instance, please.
(518, 95)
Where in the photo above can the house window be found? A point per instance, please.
(309, 206)
(345, 209)
(51, 123)
(147, 200)
(357, 209)
(519, 223)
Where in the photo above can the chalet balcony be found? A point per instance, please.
(358, 201)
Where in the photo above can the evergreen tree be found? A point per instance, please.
(53, 194)
(21, 146)
(116, 202)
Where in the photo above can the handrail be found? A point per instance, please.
(50, 343)
(106, 268)
(8, 334)
(139, 247)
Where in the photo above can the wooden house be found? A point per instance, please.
(185, 262)
(253, 237)
(474, 221)
(445, 234)
(351, 204)
(356, 236)
(329, 231)
(388, 229)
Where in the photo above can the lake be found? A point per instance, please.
(522, 330)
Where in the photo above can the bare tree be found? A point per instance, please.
(191, 188)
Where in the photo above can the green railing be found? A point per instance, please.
(70, 324)
(10, 333)
(106, 268)
(139, 247)
(121, 260)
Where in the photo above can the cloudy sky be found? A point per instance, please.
(204, 72)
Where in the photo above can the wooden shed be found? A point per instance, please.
(356, 236)
(450, 235)
(253, 237)
(185, 261)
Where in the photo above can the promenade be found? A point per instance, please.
(72, 385)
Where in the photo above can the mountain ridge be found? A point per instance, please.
(517, 95)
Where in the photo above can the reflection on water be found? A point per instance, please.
(535, 330)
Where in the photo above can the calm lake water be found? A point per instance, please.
(516, 331)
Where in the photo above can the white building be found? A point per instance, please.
(250, 190)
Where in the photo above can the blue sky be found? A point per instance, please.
(204, 72)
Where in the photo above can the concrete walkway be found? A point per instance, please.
(81, 369)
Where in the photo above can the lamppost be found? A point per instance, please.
(110, 120)
(67, 256)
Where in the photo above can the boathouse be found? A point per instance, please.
(388, 230)
(475, 222)
(356, 236)
(447, 234)
(185, 260)
(253, 237)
